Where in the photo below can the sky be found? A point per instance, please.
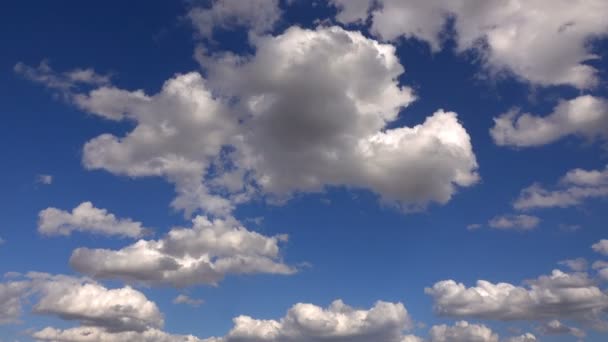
(304, 171)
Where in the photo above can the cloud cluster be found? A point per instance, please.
(575, 187)
(96, 334)
(559, 295)
(545, 42)
(87, 218)
(585, 116)
(202, 254)
(250, 127)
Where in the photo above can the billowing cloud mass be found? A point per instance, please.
(575, 187)
(384, 322)
(543, 41)
(80, 300)
(514, 222)
(257, 15)
(341, 140)
(559, 295)
(462, 331)
(585, 116)
(87, 218)
(556, 327)
(259, 133)
(202, 254)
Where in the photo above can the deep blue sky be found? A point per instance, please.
(354, 247)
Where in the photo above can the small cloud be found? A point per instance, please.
(474, 226)
(258, 220)
(570, 228)
(577, 265)
(514, 222)
(1, 241)
(183, 299)
(44, 179)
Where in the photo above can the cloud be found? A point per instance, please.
(202, 254)
(474, 226)
(10, 301)
(80, 300)
(96, 334)
(384, 322)
(250, 129)
(585, 116)
(343, 139)
(87, 218)
(556, 327)
(44, 179)
(602, 269)
(514, 222)
(523, 38)
(576, 265)
(527, 337)
(183, 299)
(64, 83)
(259, 16)
(575, 187)
(462, 331)
(601, 247)
(556, 296)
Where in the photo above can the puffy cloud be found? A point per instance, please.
(462, 331)
(203, 254)
(514, 222)
(44, 179)
(577, 265)
(257, 15)
(521, 37)
(342, 139)
(91, 304)
(575, 187)
(87, 218)
(251, 129)
(384, 322)
(601, 247)
(11, 293)
(96, 334)
(78, 299)
(585, 116)
(559, 295)
(601, 267)
(556, 327)
(183, 299)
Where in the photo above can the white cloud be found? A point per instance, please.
(260, 135)
(203, 254)
(342, 139)
(87, 218)
(542, 41)
(601, 247)
(384, 322)
(44, 179)
(575, 187)
(556, 327)
(462, 331)
(351, 11)
(577, 265)
(96, 334)
(514, 222)
(259, 16)
(11, 293)
(80, 300)
(559, 295)
(183, 299)
(585, 116)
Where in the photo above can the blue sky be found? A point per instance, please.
(329, 122)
